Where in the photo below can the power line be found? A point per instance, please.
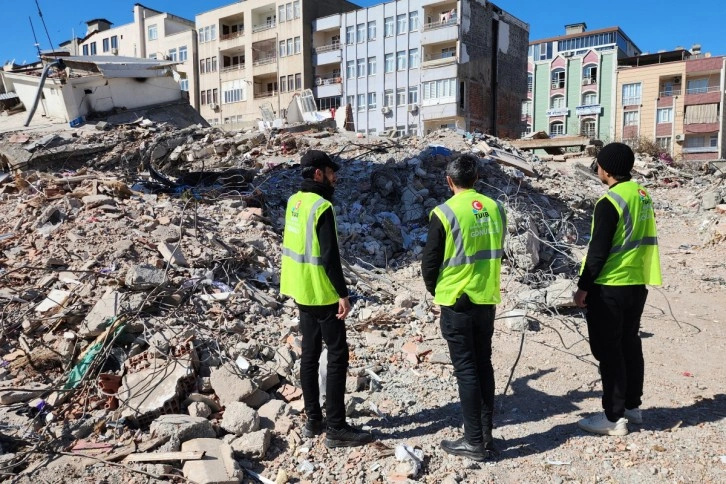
(40, 13)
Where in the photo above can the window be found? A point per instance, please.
(372, 30)
(448, 52)
(665, 115)
(588, 128)
(412, 21)
(413, 95)
(114, 42)
(557, 102)
(209, 64)
(630, 118)
(234, 91)
(298, 81)
(388, 98)
(558, 79)
(349, 33)
(214, 64)
(204, 97)
(350, 69)
(413, 61)
(183, 53)
(281, 13)
(361, 68)
(697, 86)
(289, 81)
(93, 48)
(388, 27)
(215, 98)
(298, 44)
(361, 102)
(105, 45)
(400, 97)
(401, 60)
(85, 50)
(526, 109)
(360, 33)
(184, 84)
(289, 47)
(664, 143)
(202, 66)
(350, 100)
(283, 83)
(296, 8)
(694, 142)
(153, 32)
(288, 11)
(530, 81)
(371, 66)
(631, 94)
(589, 98)
(283, 48)
(557, 128)
(713, 141)
(413, 130)
(443, 88)
(371, 100)
(589, 75)
(401, 24)
(388, 61)
(172, 55)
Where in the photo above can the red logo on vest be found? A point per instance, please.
(477, 206)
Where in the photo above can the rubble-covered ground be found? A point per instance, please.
(143, 336)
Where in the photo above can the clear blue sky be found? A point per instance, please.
(651, 24)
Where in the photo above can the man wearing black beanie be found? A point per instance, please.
(622, 258)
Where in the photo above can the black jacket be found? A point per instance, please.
(605, 221)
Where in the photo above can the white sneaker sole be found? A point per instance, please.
(601, 431)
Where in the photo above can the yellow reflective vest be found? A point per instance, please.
(634, 257)
(303, 276)
(475, 226)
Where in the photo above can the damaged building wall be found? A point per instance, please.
(492, 74)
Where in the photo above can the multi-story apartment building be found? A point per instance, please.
(675, 98)
(571, 82)
(251, 53)
(152, 34)
(417, 65)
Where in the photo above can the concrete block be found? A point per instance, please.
(172, 254)
(257, 399)
(239, 419)
(182, 427)
(218, 465)
(98, 318)
(199, 409)
(93, 201)
(253, 444)
(144, 276)
(230, 385)
(516, 319)
(270, 412)
(560, 294)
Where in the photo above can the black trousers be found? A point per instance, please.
(613, 323)
(468, 330)
(318, 324)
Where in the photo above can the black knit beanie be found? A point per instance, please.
(616, 159)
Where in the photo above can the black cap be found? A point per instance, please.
(318, 159)
(616, 159)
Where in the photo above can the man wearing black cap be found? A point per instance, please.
(622, 258)
(312, 275)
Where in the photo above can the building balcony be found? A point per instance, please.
(328, 54)
(702, 149)
(326, 48)
(264, 26)
(232, 72)
(439, 108)
(671, 93)
(264, 94)
(328, 87)
(703, 95)
(589, 82)
(264, 65)
(438, 60)
(698, 126)
(440, 31)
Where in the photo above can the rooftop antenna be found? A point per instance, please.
(44, 26)
(35, 37)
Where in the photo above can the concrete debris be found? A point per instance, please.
(152, 300)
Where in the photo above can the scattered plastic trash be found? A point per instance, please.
(558, 462)
(406, 453)
(242, 363)
(306, 467)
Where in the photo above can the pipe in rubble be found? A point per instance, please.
(56, 63)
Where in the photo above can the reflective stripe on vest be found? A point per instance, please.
(307, 257)
(628, 244)
(460, 257)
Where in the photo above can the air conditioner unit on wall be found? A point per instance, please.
(385, 110)
(680, 137)
(676, 80)
(213, 106)
(412, 108)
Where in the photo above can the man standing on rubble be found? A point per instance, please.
(312, 275)
(622, 258)
(461, 268)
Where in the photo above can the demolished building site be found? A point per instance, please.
(144, 339)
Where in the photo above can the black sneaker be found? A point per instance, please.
(347, 436)
(463, 448)
(313, 428)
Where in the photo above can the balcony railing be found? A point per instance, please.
(232, 35)
(263, 94)
(672, 92)
(265, 26)
(630, 101)
(326, 48)
(233, 67)
(432, 57)
(264, 61)
(702, 90)
(327, 80)
(589, 81)
(701, 149)
(439, 24)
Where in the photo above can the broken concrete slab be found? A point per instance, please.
(218, 465)
(199, 409)
(55, 301)
(560, 294)
(144, 276)
(515, 319)
(182, 427)
(230, 384)
(270, 412)
(239, 419)
(509, 159)
(172, 254)
(252, 444)
(101, 314)
(93, 201)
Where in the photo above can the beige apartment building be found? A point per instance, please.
(153, 35)
(675, 98)
(256, 52)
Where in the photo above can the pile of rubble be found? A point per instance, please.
(141, 319)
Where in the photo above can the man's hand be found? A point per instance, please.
(580, 296)
(343, 308)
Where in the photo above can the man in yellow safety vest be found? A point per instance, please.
(622, 258)
(312, 275)
(461, 268)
